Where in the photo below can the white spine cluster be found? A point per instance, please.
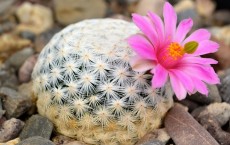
(85, 72)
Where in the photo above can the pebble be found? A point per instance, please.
(10, 129)
(213, 96)
(71, 11)
(28, 35)
(61, 139)
(221, 17)
(34, 18)
(213, 118)
(153, 142)
(155, 6)
(36, 140)
(6, 9)
(37, 126)
(6, 26)
(2, 112)
(189, 103)
(209, 6)
(14, 103)
(8, 77)
(11, 142)
(224, 87)
(10, 43)
(159, 135)
(185, 130)
(44, 38)
(17, 59)
(25, 71)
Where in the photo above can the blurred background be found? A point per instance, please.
(26, 26)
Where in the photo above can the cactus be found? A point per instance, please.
(86, 87)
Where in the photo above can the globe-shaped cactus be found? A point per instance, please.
(86, 87)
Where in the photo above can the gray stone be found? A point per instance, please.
(14, 103)
(154, 143)
(37, 126)
(213, 96)
(18, 58)
(224, 87)
(8, 77)
(28, 35)
(36, 140)
(2, 112)
(10, 129)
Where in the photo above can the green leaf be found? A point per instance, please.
(190, 47)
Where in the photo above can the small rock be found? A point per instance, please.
(71, 11)
(11, 142)
(18, 58)
(159, 135)
(2, 112)
(219, 111)
(209, 6)
(36, 140)
(8, 77)
(6, 26)
(44, 38)
(9, 43)
(189, 103)
(221, 17)
(26, 69)
(224, 87)
(75, 143)
(34, 18)
(213, 96)
(14, 103)
(155, 6)
(10, 129)
(61, 139)
(28, 35)
(25, 89)
(185, 130)
(6, 9)
(213, 117)
(37, 126)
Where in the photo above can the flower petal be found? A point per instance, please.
(205, 47)
(160, 76)
(182, 30)
(201, 72)
(159, 26)
(198, 60)
(170, 19)
(177, 86)
(199, 35)
(142, 46)
(146, 27)
(141, 64)
(184, 79)
(200, 86)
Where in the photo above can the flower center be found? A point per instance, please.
(175, 51)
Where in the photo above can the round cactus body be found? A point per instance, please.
(86, 87)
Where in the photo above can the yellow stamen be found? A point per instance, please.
(175, 50)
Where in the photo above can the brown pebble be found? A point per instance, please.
(185, 130)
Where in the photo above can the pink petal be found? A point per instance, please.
(201, 72)
(170, 19)
(146, 27)
(159, 26)
(160, 76)
(198, 60)
(184, 78)
(141, 64)
(142, 46)
(200, 86)
(205, 47)
(177, 86)
(182, 30)
(199, 35)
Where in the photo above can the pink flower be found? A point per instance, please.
(165, 50)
